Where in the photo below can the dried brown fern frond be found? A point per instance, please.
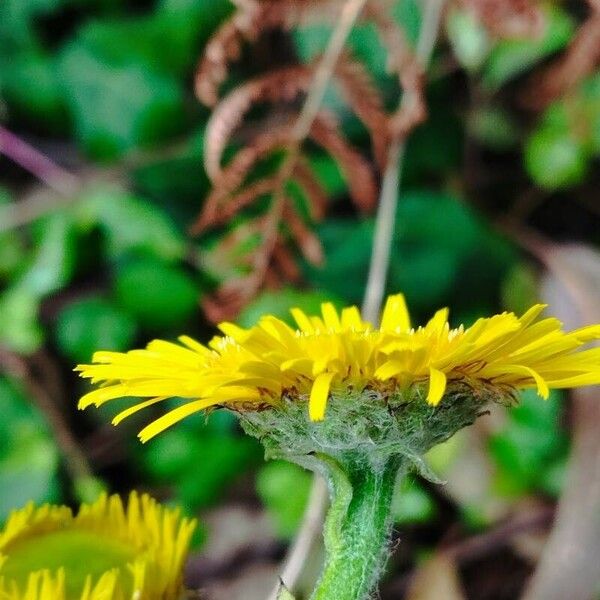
(230, 194)
(579, 60)
(358, 173)
(314, 192)
(282, 85)
(250, 20)
(255, 17)
(365, 100)
(508, 18)
(399, 52)
(260, 173)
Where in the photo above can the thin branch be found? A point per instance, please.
(384, 231)
(388, 200)
(59, 180)
(36, 163)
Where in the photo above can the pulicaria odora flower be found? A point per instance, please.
(105, 552)
(336, 359)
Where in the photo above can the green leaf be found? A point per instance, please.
(555, 158)
(182, 27)
(175, 184)
(17, 21)
(28, 456)
(590, 100)
(364, 41)
(424, 275)
(436, 147)
(310, 41)
(520, 288)
(284, 488)
(408, 15)
(30, 84)
(91, 324)
(19, 327)
(469, 38)
(328, 174)
(412, 504)
(131, 224)
(279, 304)
(159, 296)
(347, 244)
(559, 151)
(118, 108)
(53, 261)
(511, 57)
(494, 127)
(12, 247)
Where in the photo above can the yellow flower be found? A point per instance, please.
(105, 552)
(256, 368)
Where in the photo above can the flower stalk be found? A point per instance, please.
(353, 402)
(358, 528)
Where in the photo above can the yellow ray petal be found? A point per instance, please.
(174, 416)
(389, 368)
(437, 386)
(437, 322)
(505, 371)
(192, 344)
(302, 320)
(318, 396)
(395, 314)
(135, 408)
(330, 316)
(351, 318)
(233, 331)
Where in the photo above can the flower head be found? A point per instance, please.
(105, 552)
(271, 363)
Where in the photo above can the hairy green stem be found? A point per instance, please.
(357, 530)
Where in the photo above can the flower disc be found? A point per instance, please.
(105, 552)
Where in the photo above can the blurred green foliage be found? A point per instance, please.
(284, 489)
(28, 456)
(200, 459)
(439, 242)
(531, 451)
(560, 151)
(91, 324)
(111, 80)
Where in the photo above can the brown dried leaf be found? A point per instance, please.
(316, 196)
(356, 169)
(282, 85)
(307, 241)
(250, 20)
(437, 578)
(364, 98)
(508, 18)
(285, 263)
(225, 46)
(579, 61)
